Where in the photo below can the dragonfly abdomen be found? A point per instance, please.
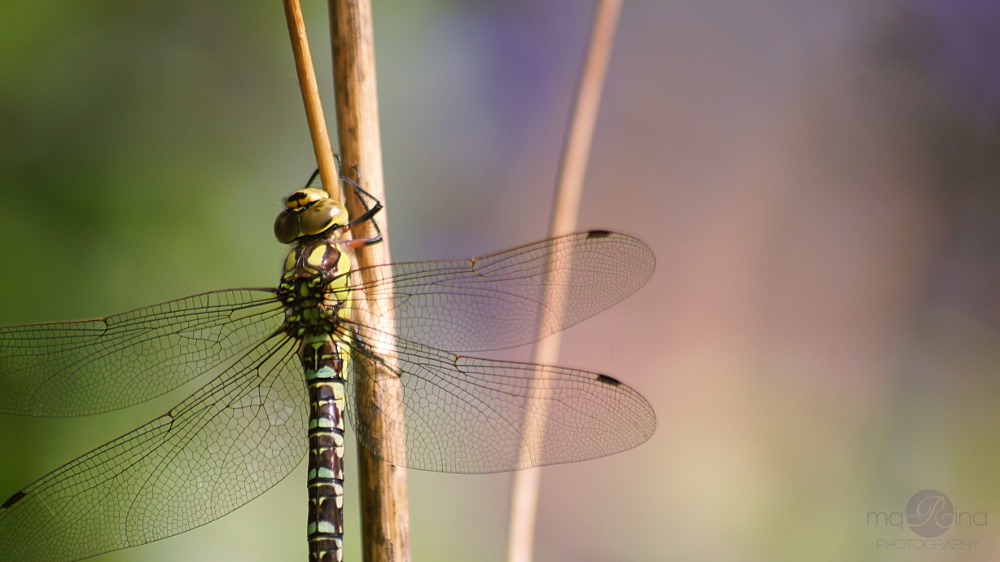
(324, 361)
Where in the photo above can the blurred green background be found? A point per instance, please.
(820, 182)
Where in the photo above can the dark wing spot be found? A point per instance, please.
(598, 234)
(13, 499)
(608, 380)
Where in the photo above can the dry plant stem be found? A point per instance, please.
(524, 490)
(384, 510)
(310, 97)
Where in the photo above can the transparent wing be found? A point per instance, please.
(470, 415)
(93, 366)
(494, 302)
(222, 447)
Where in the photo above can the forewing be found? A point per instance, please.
(222, 447)
(470, 415)
(93, 366)
(495, 302)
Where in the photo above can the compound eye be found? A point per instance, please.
(322, 215)
(286, 226)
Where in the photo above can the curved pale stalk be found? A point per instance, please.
(569, 189)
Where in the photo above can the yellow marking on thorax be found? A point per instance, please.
(315, 257)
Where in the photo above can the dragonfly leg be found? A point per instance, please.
(370, 212)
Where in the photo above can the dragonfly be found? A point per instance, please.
(286, 381)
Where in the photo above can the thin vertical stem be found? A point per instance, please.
(384, 510)
(569, 189)
(311, 99)
(581, 128)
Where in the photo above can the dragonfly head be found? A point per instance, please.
(307, 212)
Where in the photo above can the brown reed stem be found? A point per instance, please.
(384, 508)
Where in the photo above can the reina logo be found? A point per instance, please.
(929, 514)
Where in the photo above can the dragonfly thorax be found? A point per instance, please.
(313, 288)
